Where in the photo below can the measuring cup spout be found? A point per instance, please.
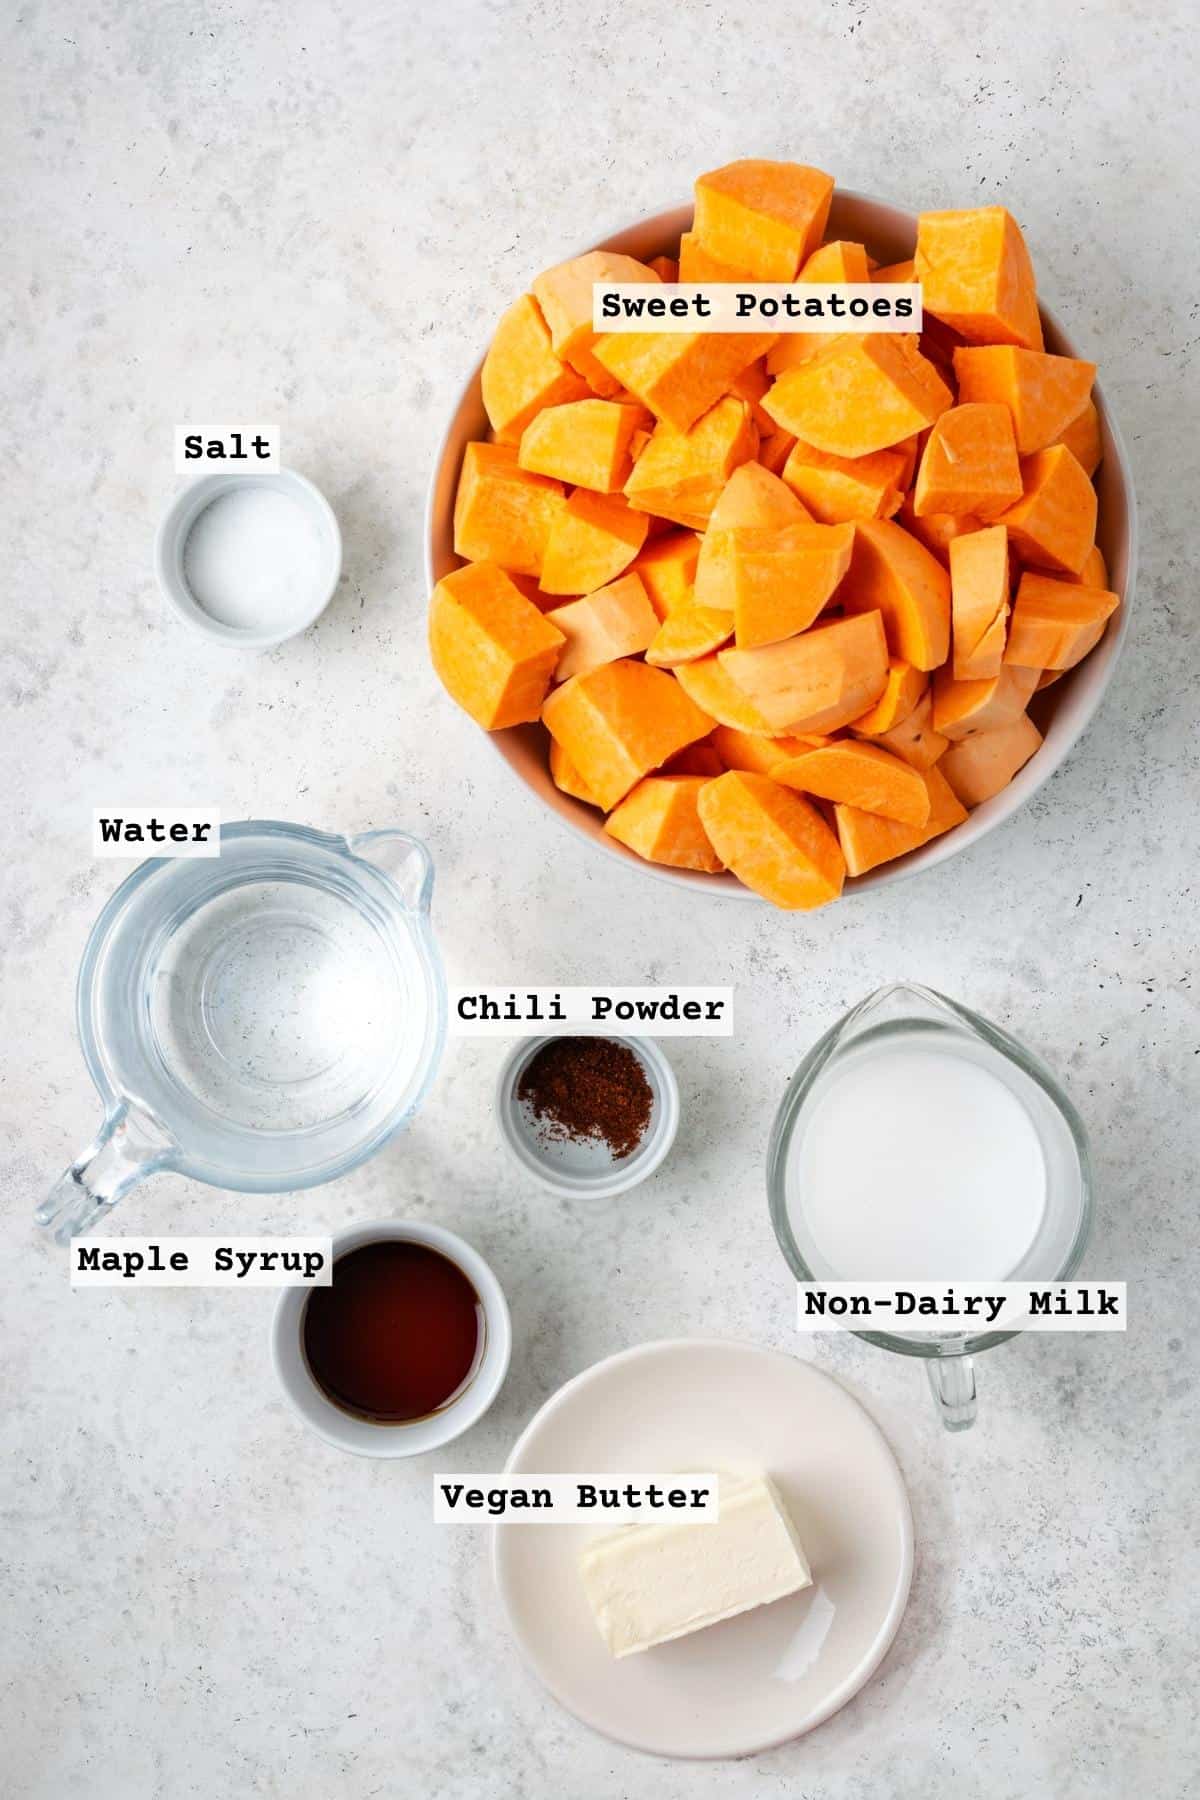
(952, 1383)
(403, 859)
(129, 1146)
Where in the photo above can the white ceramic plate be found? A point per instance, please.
(760, 1679)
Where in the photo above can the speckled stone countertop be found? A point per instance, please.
(311, 213)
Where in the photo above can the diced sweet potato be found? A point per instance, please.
(961, 708)
(565, 297)
(980, 766)
(859, 775)
(585, 443)
(1054, 524)
(890, 572)
(914, 738)
(503, 514)
(620, 721)
(668, 571)
(686, 635)
(1043, 393)
(936, 531)
(757, 754)
(969, 464)
(696, 264)
(615, 621)
(867, 839)
(1056, 623)
(862, 393)
(905, 686)
(660, 820)
(976, 276)
(835, 262)
(765, 218)
(753, 496)
(680, 474)
(1082, 438)
(777, 578)
(815, 682)
(492, 649)
(717, 694)
(899, 271)
(521, 373)
(1094, 573)
(775, 842)
(679, 375)
(979, 589)
(566, 776)
(840, 488)
(592, 540)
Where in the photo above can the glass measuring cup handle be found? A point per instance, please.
(129, 1146)
(952, 1384)
(403, 859)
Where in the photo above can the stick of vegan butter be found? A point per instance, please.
(649, 1583)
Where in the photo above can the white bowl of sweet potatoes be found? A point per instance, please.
(1060, 709)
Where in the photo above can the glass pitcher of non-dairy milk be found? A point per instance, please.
(261, 1020)
(919, 1143)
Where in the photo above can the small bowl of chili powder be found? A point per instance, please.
(588, 1116)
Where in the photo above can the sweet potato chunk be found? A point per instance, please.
(753, 496)
(695, 263)
(817, 681)
(680, 474)
(564, 294)
(688, 634)
(757, 754)
(1054, 524)
(1056, 623)
(867, 839)
(615, 621)
(566, 776)
(591, 541)
(777, 579)
(976, 276)
(620, 721)
(665, 267)
(834, 262)
(862, 393)
(839, 488)
(936, 531)
(717, 694)
(679, 375)
(503, 514)
(667, 568)
(979, 588)
(585, 443)
(765, 218)
(660, 820)
(1094, 573)
(492, 649)
(969, 464)
(961, 708)
(859, 775)
(980, 766)
(521, 373)
(914, 738)
(890, 572)
(775, 842)
(903, 272)
(1043, 393)
(904, 688)
(1082, 438)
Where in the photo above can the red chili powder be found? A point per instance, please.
(588, 1088)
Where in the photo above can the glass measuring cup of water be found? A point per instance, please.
(919, 1143)
(261, 1020)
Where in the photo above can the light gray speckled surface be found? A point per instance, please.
(311, 213)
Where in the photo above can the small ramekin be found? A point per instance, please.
(182, 514)
(587, 1172)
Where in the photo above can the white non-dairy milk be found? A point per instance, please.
(916, 1164)
(252, 559)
